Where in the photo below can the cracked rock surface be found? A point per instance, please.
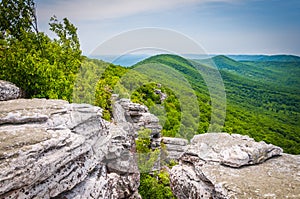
(53, 149)
(219, 165)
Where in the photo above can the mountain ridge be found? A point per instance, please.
(257, 96)
(279, 57)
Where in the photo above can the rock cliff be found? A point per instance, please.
(219, 165)
(53, 149)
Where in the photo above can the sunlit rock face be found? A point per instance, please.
(50, 148)
(219, 165)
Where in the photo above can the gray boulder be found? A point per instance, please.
(162, 95)
(232, 150)
(9, 91)
(219, 165)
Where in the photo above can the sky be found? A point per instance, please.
(218, 26)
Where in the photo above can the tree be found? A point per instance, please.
(42, 67)
(157, 184)
(16, 16)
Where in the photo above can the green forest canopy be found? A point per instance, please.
(264, 110)
(39, 65)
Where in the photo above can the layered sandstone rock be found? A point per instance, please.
(50, 148)
(139, 116)
(219, 165)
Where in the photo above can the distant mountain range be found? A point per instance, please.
(276, 58)
(263, 96)
(131, 59)
(262, 92)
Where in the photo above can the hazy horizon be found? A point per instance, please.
(219, 26)
(131, 59)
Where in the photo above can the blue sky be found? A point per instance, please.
(219, 26)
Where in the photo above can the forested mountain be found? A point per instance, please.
(277, 58)
(266, 91)
(280, 58)
(262, 97)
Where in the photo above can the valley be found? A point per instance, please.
(262, 97)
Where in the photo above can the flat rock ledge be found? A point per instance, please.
(219, 165)
(53, 149)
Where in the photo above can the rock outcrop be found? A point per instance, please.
(126, 112)
(174, 146)
(9, 91)
(219, 165)
(231, 150)
(162, 96)
(138, 115)
(53, 149)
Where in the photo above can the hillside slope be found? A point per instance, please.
(259, 103)
(263, 109)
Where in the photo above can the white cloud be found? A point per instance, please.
(107, 9)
